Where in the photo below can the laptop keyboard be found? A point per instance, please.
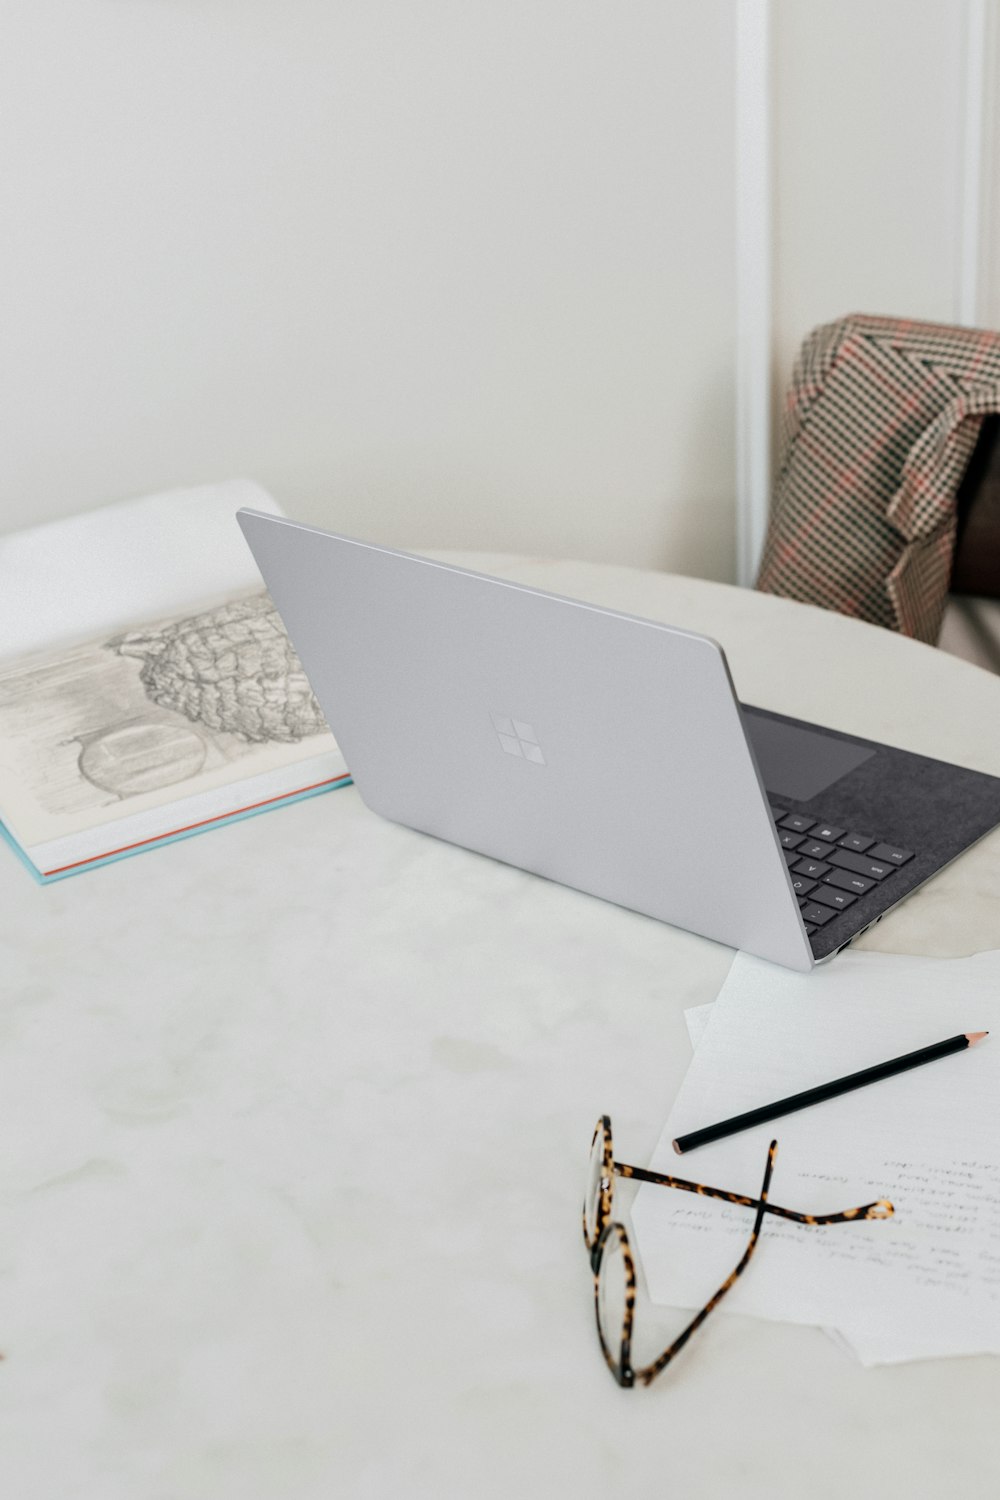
(831, 867)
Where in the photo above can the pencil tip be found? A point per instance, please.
(972, 1037)
(676, 1146)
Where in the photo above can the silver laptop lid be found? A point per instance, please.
(597, 749)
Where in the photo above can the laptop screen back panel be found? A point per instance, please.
(595, 749)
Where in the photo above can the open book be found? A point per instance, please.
(148, 690)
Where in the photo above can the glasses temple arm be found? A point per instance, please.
(649, 1373)
(881, 1209)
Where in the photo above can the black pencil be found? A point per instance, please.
(827, 1091)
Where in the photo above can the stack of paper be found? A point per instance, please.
(925, 1282)
(147, 687)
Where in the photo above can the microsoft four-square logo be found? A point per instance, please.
(518, 738)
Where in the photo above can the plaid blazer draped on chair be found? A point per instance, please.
(879, 424)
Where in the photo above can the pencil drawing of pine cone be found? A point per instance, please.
(231, 668)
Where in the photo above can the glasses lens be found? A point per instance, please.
(612, 1290)
(592, 1200)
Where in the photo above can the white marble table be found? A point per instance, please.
(295, 1118)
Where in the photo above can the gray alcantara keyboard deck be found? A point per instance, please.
(830, 866)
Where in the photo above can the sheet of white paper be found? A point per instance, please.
(924, 1283)
(135, 560)
(696, 1019)
(871, 1345)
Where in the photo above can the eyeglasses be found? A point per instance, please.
(611, 1255)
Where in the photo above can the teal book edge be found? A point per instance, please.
(170, 838)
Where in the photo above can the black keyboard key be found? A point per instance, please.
(790, 840)
(890, 854)
(828, 832)
(859, 842)
(813, 869)
(830, 896)
(861, 864)
(816, 914)
(801, 886)
(791, 856)
(810, 928)
(778, 813)
(845, 881)
(815, 849)
(798, 822)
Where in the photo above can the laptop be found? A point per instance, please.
(607, 752)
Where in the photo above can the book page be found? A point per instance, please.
(149, 715)
(79, 578)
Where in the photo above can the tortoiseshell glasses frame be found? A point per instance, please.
(606, 1237)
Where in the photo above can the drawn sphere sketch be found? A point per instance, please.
(139, 757)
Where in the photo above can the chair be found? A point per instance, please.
(890, 457)
(971, 626)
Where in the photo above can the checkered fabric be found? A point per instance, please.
(880, 421)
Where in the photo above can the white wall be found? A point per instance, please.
(447, 273)
(985, 230)
(884, 125)
(868, 122)
(464, 272)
